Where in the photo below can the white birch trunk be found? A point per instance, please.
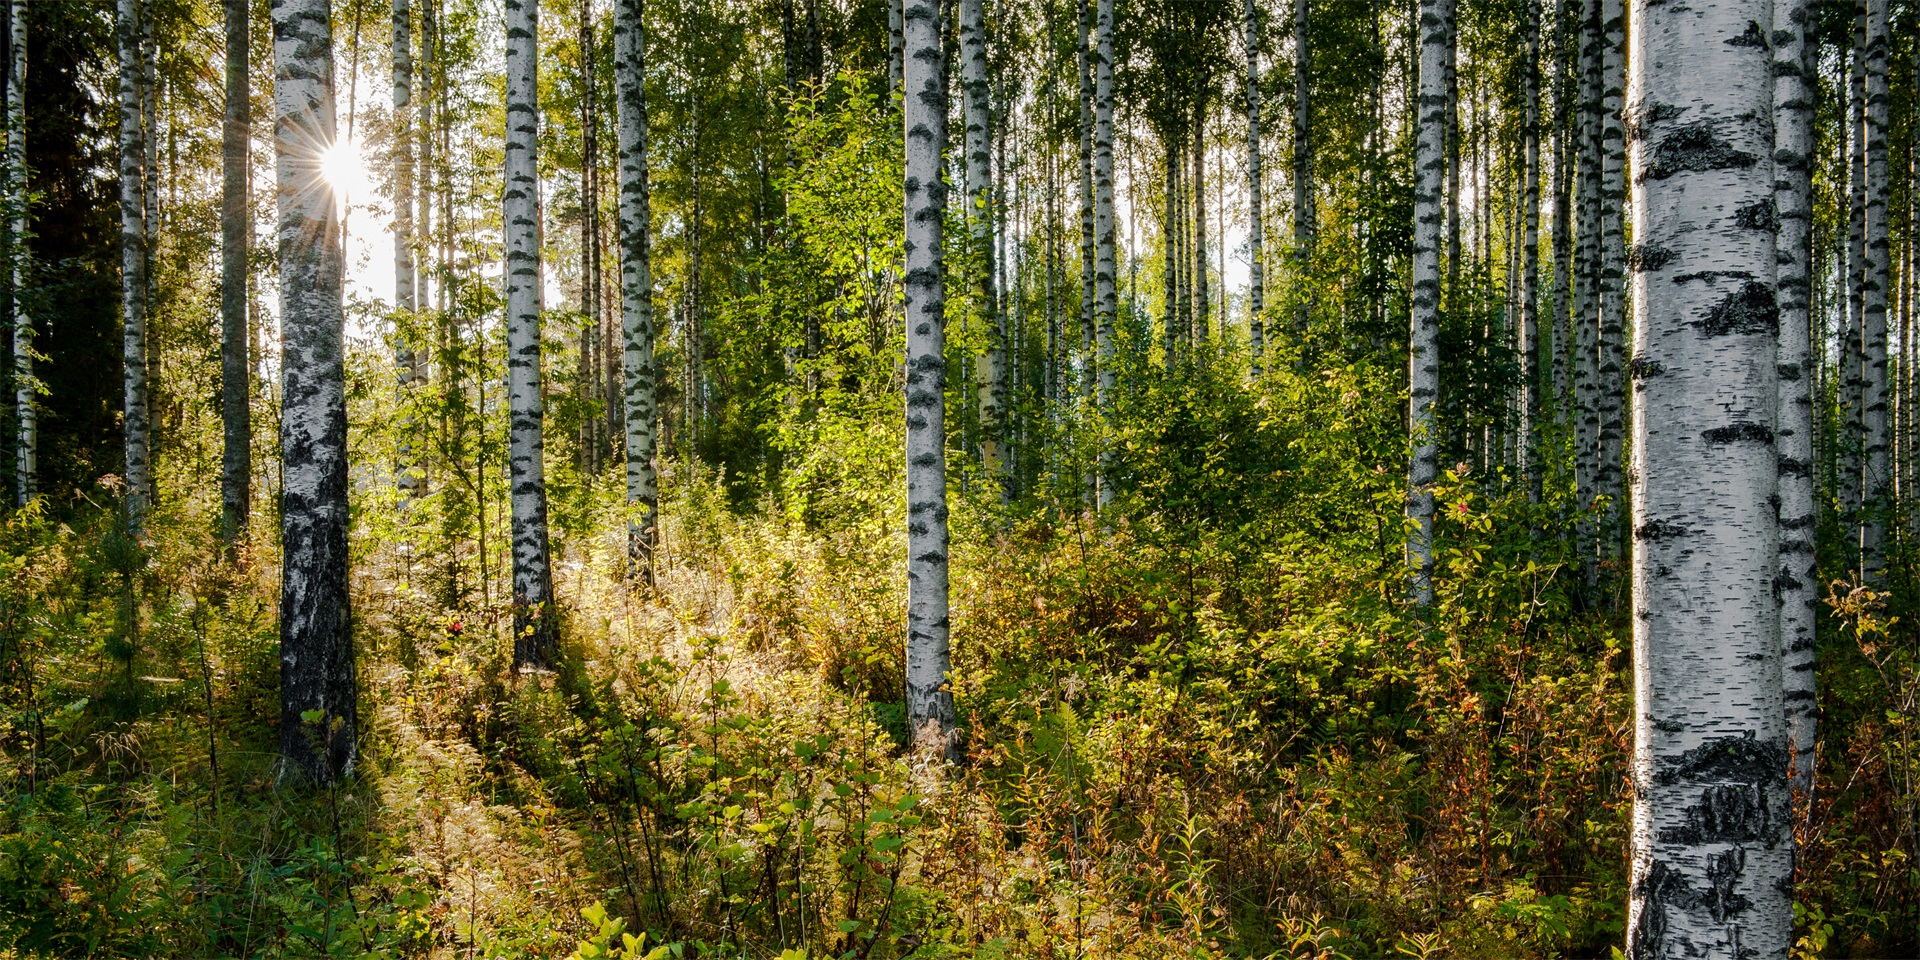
(1526, 436)
(1610, 299)
(1711, 838)
(1798, 579)
(991, 390)
(1304, 215)
(1876, 281)
(406, 359)
(236, 240)
(1851, 352)
(1106, 301)
(929, 697)
(133, 265)
(1423, 354)
(24, 387)
(895, 77)
(535, 644)
(636, 287)
(316, 646)
(1085, 65)
(1256, 238)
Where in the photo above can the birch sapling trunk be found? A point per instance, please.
(929, 697)
(1610, 297)
(1712, 846)
(535, 639)
(1793, 111)
(1429, 168)
(1256, 238)
(1875, 477)
(1586, 297)
(1527, 435)
(236, 241)
(136, 421)
(405, 360)
(1106, 295)
(1852, 354)
(1304, 215)
(1089, 368)
(991, 390)
(1197, 203)
(636, 288)
(25, 387)
(318, 709)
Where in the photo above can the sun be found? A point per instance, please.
(344, 168)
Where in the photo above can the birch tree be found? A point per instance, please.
(1610, 294)
(636, 286)
(1256, 267)
(535, 642)
(1875, 282)
(1712, 849)
(236, 241)
(992, 387)
(1106, 301)
(318, 712)
(405, 290)
(1527, 434)
(24, 386)
(135, 422)
(1084, 63)
(1303, 206)
(929, 698)
(1798, 580)
(1429, 166)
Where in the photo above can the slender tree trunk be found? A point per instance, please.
(26, 447)
(1197, 194)
(1852, 355)
(1085, 66)
(895, 43)
(1256, 224)
(1560, 374)
(1429, 169)
(1877, 280)
(318, 710)
(1793, 113)
(1712, 844)
(405, 359)
(1610, 298)
(1171, 264)
(929, 696)
(136, 421)
(1304, 216)
(535, 641)
(236, 238)
(1106, 298)
(1586, 297)
(992, 388)
(1527, 436)
(636, 287)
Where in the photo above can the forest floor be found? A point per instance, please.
(1174, 746)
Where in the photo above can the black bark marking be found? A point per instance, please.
(1751, 309)
(1693, 148)
(1739, 432)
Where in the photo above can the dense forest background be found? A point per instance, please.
(1197, 714)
